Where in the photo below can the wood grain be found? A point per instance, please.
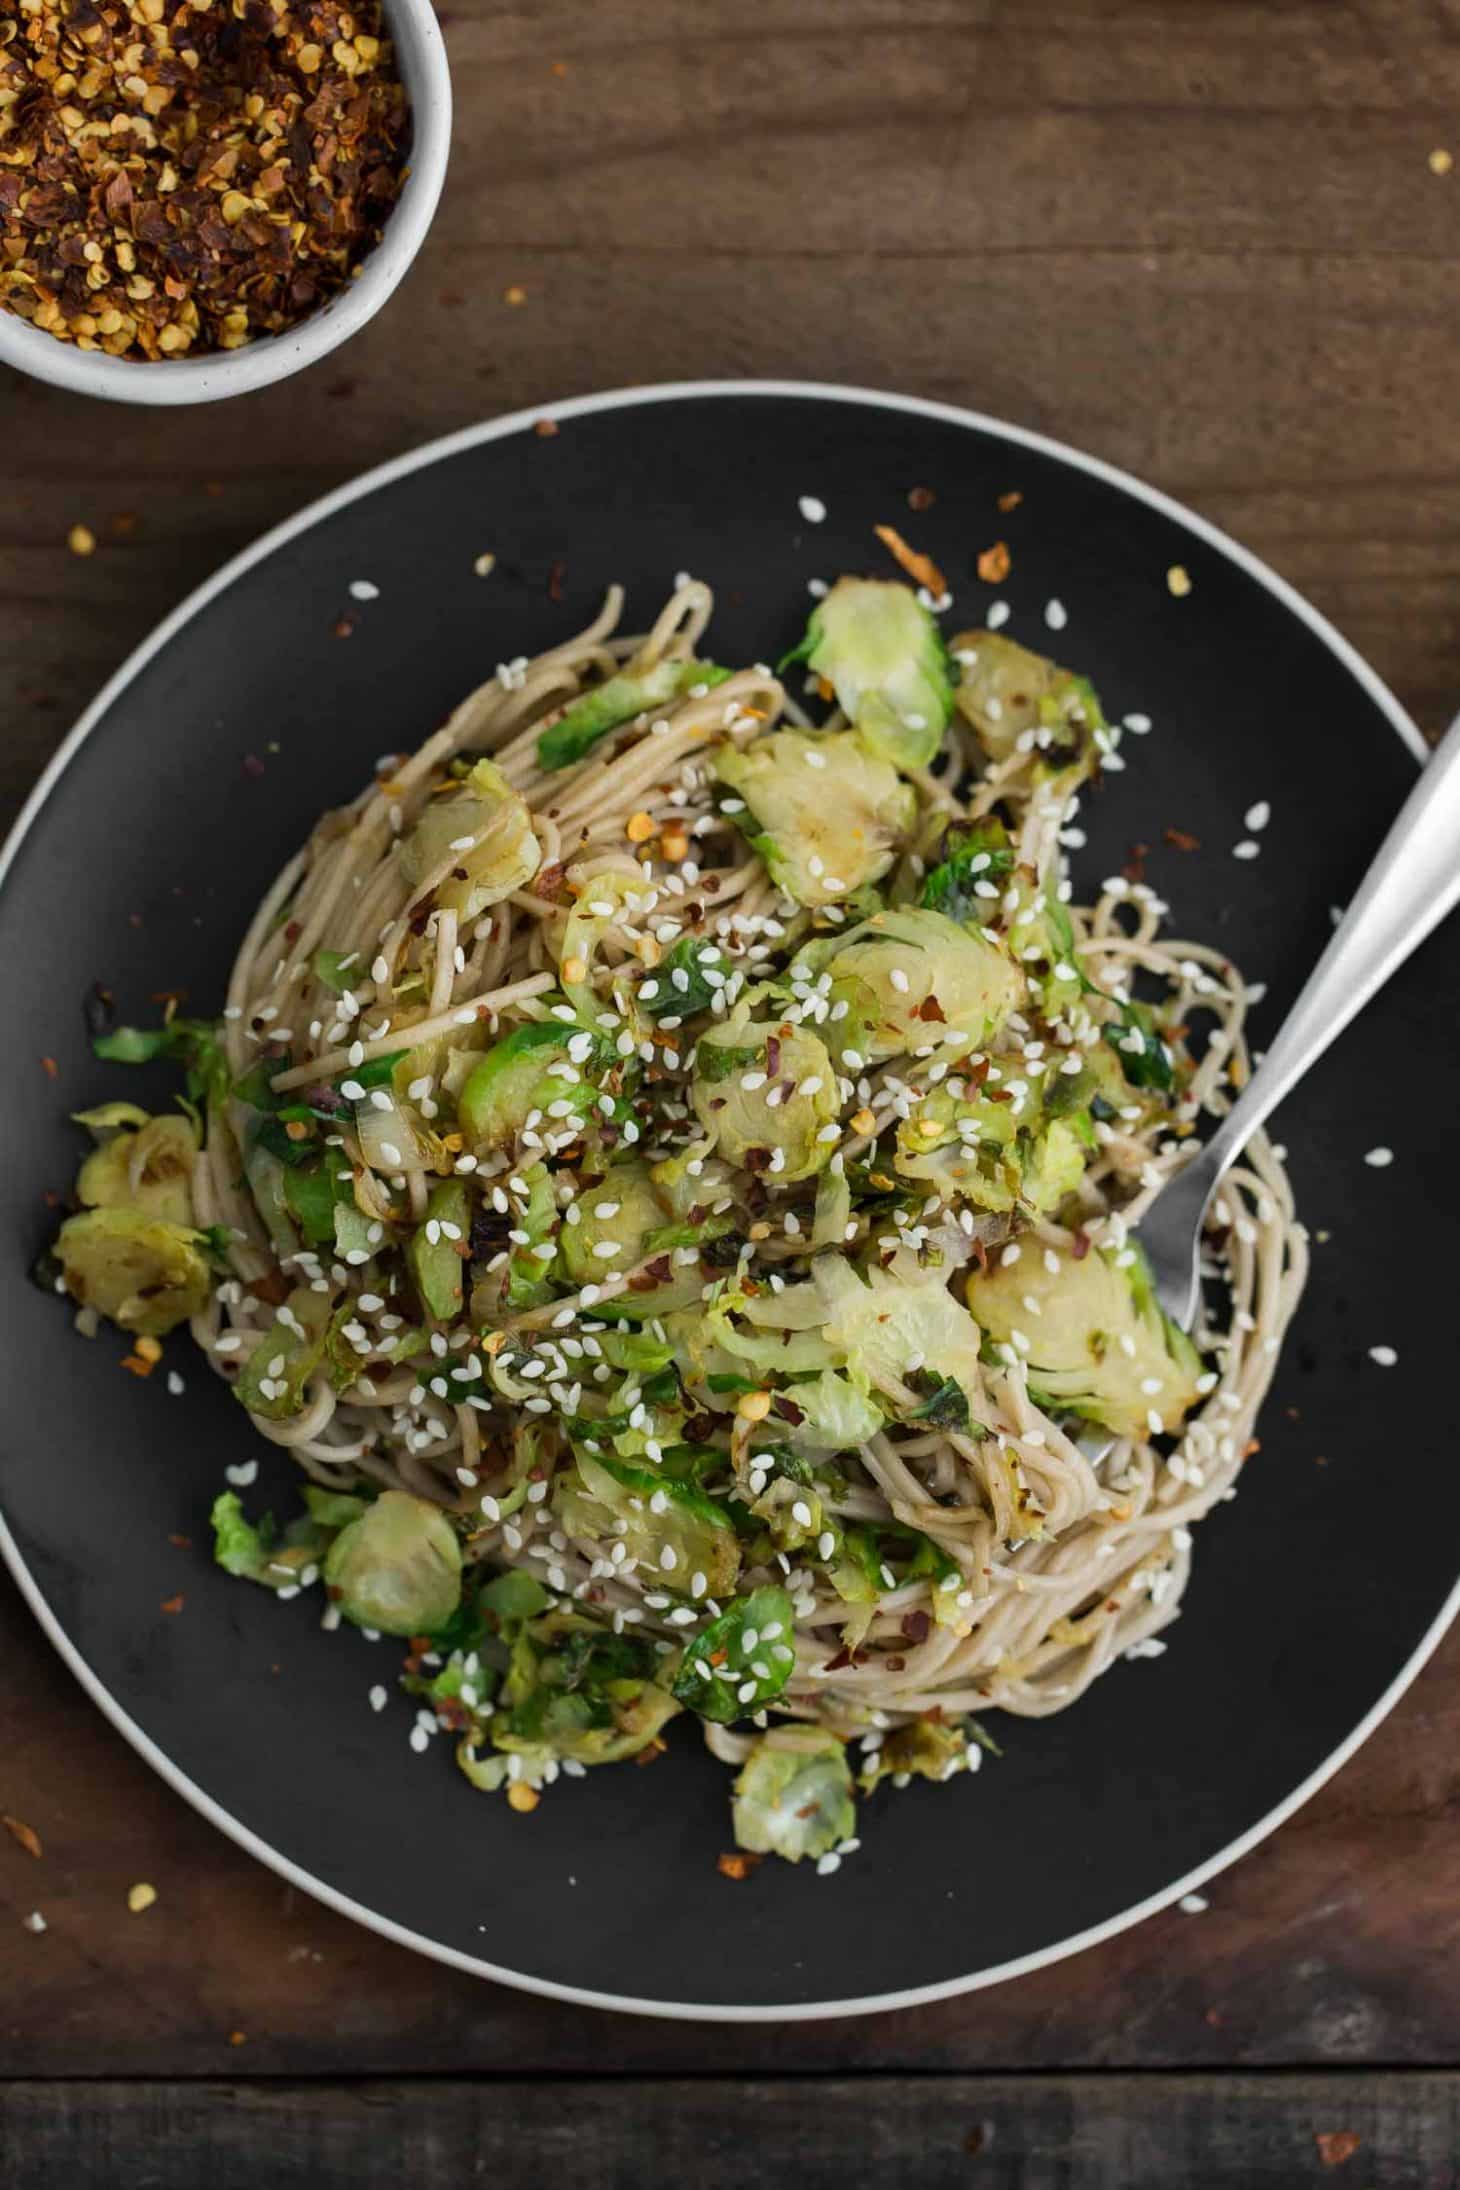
(1334, 1943)
(950, 2133)
(1203, 243)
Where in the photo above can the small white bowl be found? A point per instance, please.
(421, 58)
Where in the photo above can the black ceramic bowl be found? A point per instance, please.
(139, 861)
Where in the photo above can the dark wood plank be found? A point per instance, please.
(1376, 2132)
(1204, 244)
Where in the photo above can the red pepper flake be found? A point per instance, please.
(556, 574)
(551, 884)
(737, 1866)
(172, 1605)
(1336, 2145)
(1134, 869)
(1011, 499)
(930, 1008)
(1181, 840)
(190, 183)
(181, 1543)
(238, 2037)
(1080, 1246)
(545, 428)
(995, 563)
(920, 499)
(920, 567)
(916, 1626)
(49, 1067)
(343, 629)
(26, 1835)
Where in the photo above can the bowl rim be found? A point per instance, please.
(426, 74)
(629, 398)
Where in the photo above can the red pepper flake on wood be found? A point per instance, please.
(26, 1835)
(177, 175)
(1336, 2145)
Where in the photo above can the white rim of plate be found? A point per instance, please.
(471, 437)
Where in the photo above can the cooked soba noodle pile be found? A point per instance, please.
(667, 1171)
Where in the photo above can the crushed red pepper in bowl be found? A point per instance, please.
(182, 176)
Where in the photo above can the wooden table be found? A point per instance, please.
(1207, 243)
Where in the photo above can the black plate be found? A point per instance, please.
(139, 863)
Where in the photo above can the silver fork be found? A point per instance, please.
(1413, 882)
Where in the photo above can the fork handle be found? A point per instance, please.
(1413, 882)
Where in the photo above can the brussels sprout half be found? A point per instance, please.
(826, 813)
(765, 1094)
(883, 654)
(1093, 1335)
(478, 839)
(912, 978)
(398, 1568)
(146, 1275)
(794, 1795)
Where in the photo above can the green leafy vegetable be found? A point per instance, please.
(336, 969)
(742, 1660)
(193, 1043)
(616, 701)
(679, 986)
(966, 884)
(1144, 1057)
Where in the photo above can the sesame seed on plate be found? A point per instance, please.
(1379, 1158)
(1384, 1355)
(812, 508)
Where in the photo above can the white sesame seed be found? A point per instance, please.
(1380, 1158)
(812, 508)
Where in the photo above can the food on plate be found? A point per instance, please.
(667, 1171)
